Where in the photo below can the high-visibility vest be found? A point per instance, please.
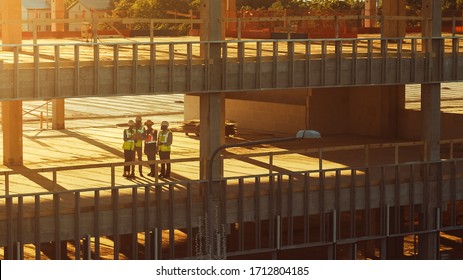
(139, 142)
(162, 138)
(129, 145)
(151, 136)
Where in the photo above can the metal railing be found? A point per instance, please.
(336, 22)
(37, 112)
(268, 213)
(168, 67)
(363, 155)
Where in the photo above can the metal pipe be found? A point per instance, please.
(334, 226)
(278, 234)
(300, 135)
(7, 184)
(156, 245)
(88, 249)
(18, 250)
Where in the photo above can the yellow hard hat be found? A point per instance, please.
(165, 123)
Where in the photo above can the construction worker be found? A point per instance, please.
(128, 147)
(150, 136)
(139, 132)
(165, 139)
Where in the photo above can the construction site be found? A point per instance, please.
(346, 138)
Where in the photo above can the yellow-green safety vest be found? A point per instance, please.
(129, 145)
(162, 138)
(139, 142)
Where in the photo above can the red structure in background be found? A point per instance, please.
(277, 24)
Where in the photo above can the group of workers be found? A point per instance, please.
(138, 136)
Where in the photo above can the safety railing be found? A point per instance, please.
(337, 210)
(287, 24)
(340, 210)
(271, 163)
(51, 176)
(107, 69)
(37, 112)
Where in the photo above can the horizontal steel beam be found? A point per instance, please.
(107, 69)
(285, 195)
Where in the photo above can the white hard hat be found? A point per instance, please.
(165, 123)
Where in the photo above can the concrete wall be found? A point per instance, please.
(11, 33)
(256, 115)
(364, 111)
(411, 125)
(270, 117)
(329, 110)
(336, 111)
(374, 110)
(368, 111)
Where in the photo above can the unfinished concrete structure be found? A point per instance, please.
(367, 91)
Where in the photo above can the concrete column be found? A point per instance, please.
(231, 13)
(57, 12)
(394, 28)
(12, 125)
(392, 97)
(212, 104)
(370, 10)
(392, 101)
(58, 118)
(212, 132)
(430, 109)
(11, 31)
(212, 12)
(212, 110)
(430, 93)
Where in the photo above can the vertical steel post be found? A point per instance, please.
(87, 247)
(55, 180)
(9, 225)
(156, 243)
(96, 224)
(57, 229)
(334, 237)
(76, 70)
(257, 205)
(146, 223)
(171, 222)
(21, 227)
(116, 69)
(37, 228)
(7, 183)
(115, 210)
(189, 217)
(134, 231)
(258, 73)
(289, 207)
(240, 214)
(77, 230)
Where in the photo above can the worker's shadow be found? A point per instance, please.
(35, 176)
(46, 182)
(43, 56)
(79, 136)
(93, 142)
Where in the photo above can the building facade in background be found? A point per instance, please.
(85, 10)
